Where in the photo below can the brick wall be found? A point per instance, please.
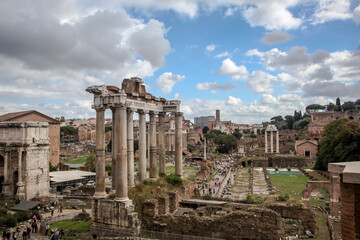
(350, 211)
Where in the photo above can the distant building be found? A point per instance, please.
(203, 121)
(54, 129)
(306, 148)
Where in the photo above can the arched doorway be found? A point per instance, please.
(332, 187)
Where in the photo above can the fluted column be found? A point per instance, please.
(130, 147)
(153, 153)
(20, 193)
(266, 142)
(100, 153)
(272, 141)
(178, 143)
(277, 141)
(142, 146)
(121, 164)
(161, 139)
(113, 150)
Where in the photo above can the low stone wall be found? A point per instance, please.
(284, 161)
(297, 212)
(250, 224)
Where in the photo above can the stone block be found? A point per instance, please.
(164, 207)
(173, 201)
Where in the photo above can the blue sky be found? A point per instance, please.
(251, 59)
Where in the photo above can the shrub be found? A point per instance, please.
(162, 175)
(207, 197)
(21, 216)
(282, 197)
(174, 180)
(10, 221)
(148, 182)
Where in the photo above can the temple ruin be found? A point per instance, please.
(272, 129)
(117, 217)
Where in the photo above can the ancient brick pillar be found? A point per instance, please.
(164, 207)
(173, 201)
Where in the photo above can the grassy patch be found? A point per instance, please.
(80, 160)
(289, 184)
(73, 225)
(192, 176)
(169, 169)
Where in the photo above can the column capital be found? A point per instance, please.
(162, 114)
(142, 111)
(129, 110)
(178, 114)
(100, 109)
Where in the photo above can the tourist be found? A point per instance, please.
(24, 235)
(52, 211)
(47, 229)
(4, 234)
(28, 232)
(62, 233)
(14, 235)
(8, 234)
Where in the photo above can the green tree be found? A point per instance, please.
(205, 129)
(190, 148)
(237, 134)
(246, 131)
(301, 123)
(289, 121)
(314, 108)
(225, 143)
(340, 143)
(68, 130)
(348, 106)
(338, 105)
(108, 128)
(276, 119)
(357, 102)
(331, 107)
(90, 162)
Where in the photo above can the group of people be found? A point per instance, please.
(55, 233)
(8, 234)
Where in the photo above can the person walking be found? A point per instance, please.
(47, 229)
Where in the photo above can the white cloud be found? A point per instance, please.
(209, 48)
(268, 99)
(329, 10)
(176, 96)
(230, 11)
(260, 82)
(223, 54)
(234, 101)
(272, 15)
(228, 67)
(167, 81)
(356, 14)
(214, 86)
(275, 37)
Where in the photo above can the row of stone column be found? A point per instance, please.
(123, 151)
(272, 142)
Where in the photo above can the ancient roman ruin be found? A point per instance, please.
(24, 159)
(117, 217)
(272, 129)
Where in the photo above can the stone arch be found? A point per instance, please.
(351, 118)
(332, 187)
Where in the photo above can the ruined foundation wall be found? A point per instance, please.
(251, 224)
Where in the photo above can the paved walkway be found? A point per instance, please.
(39, 236)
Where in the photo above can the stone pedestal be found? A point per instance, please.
(20, 192)
(6, 189)
(114, 219)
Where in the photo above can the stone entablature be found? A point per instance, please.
(24, 159)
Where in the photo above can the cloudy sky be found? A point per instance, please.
(252, 59)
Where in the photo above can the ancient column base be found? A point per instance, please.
(114, 219)
(100, 195)
(20, 192)
(6, 190)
